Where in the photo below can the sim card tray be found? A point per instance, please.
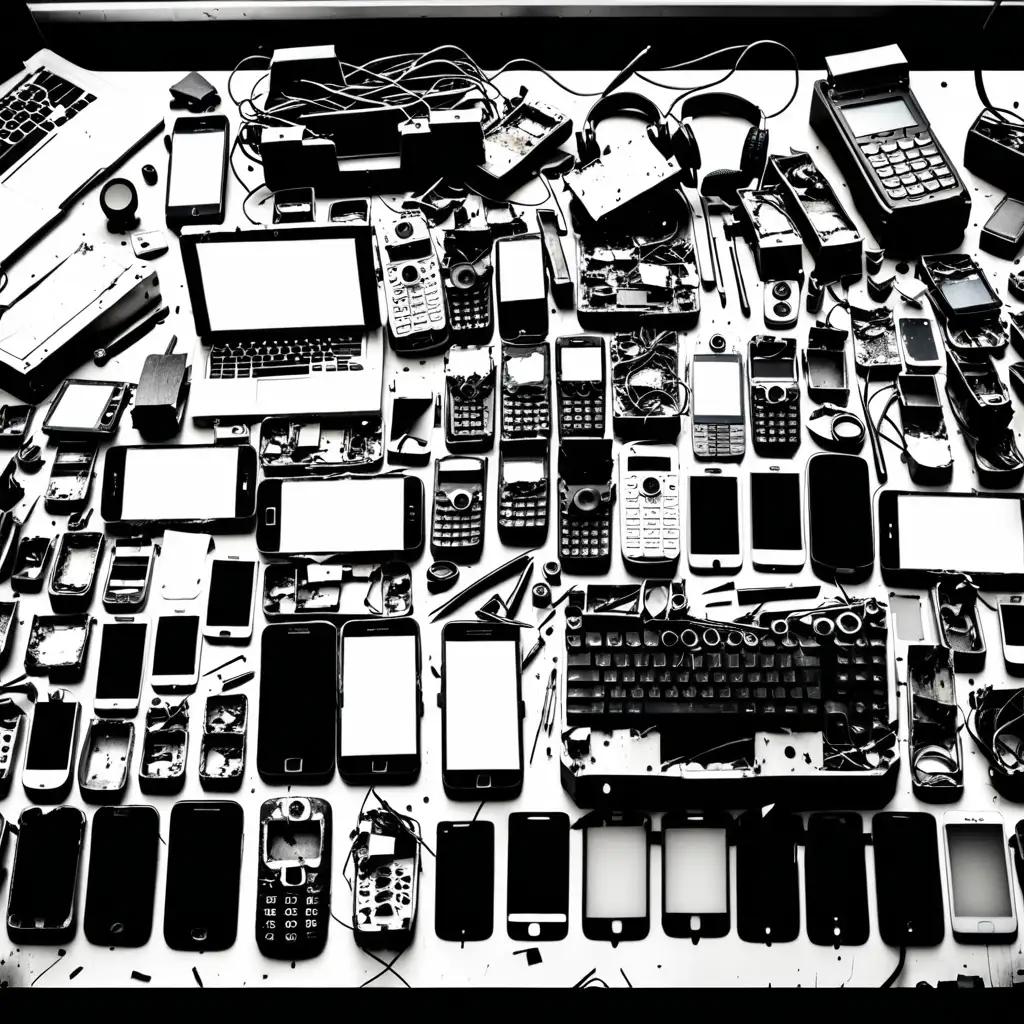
(183, 564)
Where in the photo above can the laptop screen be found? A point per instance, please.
(19, 40)
(282, 284)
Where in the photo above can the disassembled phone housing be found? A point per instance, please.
(317, 590)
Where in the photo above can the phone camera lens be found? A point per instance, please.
(410, 274)
(461, 500)
(776, 393)
(782, 290)
(295, 809)
(586, 499)
(782, 309)
(717, 343)
(463, 276)
(651, 486)
(403, 229)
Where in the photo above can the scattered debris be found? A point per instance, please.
(139, 976)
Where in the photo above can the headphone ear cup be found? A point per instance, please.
(688, 154)
(755, 153)
(722, 184)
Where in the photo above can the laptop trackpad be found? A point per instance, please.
(282, 391)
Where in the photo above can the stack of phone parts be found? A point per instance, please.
(386, 862)
(955, 604)
(875, 349)
(645, 385)
(222, 753)
(31, 563)
(44, 881)
(106, 760)
(928, 454)
(294, 447)
(966, 303)
(299, 589)
(74, 573)
(164, 749)
(936, 755)
(57, 646)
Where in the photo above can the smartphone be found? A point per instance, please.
(123, 856)
(297, 717)
(380, 703)
(174, 663)
(695, 875)
(978, 875)
(375, 517)
(179, 484)
(920, 352)
(717, 420)
(122, 663)
(908, 883)
(465, 850)
(537, 904)
(776, 521)
(481, 711)
(232, 600)
(837, 914)
(204, 866)
(52, 744)
(713, 534)
(129, 575)
(522, 287)
(842, 541)
(41, 903)
(1011, 632)
(197, 171)
(768, 876)
(617, 876)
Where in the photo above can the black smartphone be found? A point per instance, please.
(695, 875)
(837, 914)
(204, 866)
(232, 600)
(522, 287)
(464, 883)
(481, 711)
(371, 517)
(538, 876)
(298, 716)
(52, 743)
(44, 881)
(842, 542)
(123, 856)
(174, 663)
(617, 876)
(908, 882)
(776, 521)
(179, 484)
(768, 877)
(714, 542)
(380, 704)
(920, 351)
(197, 171)
(122, 663)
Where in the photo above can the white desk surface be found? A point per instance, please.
(950, 101)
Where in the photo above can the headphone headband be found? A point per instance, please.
(623, 103)
(722, 104)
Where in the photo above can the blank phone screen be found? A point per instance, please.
(839, 510)
(197, 165)
(343, 515)
(521, 270)
(696, 871)
(714, 515)
(176, 646)
(180, 483)
(122, 658)
(231, 586)
(1012, 616)
(378, 673)
(977, 868)
(616, 872)
(53, 729)
(775, 510)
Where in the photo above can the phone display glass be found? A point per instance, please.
(464, 911)
(230, 604)
(908, 883)
(717, 389)
(839, 515)
(176, 650)
(521, 270)
(695, 877)
(616, 878)
(776, 520)
(51, 740)
(122, 662)
(186, 483)
(538, 887)
(713, 517)
(918, 340)
(197, 167)
(978, 873)
(837, 915)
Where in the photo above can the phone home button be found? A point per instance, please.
(616, 927)
(378, 767)
(293, 764)
(534, 930)
(199, 934)
(270, 516)
(483, 782)
(986, 926)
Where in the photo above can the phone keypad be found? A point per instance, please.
(776, 425)
(719, 440)
(457, 528)
(650, 524)
(470, 310)
(910, 167)
(415, 302)
(468, 415)
(291, 920)
(581, 417)
(524, 511)
(585, 538)
(525, 416)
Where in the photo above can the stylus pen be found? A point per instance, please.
(716, 263)
(740, 286)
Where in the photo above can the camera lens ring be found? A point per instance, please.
(782, 290)
(403, 229)
(410, 273)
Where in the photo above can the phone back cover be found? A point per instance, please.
(836, 880)
(768, 877)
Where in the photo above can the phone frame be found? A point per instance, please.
(778, 559)
(721, 563)
(203, 213)
(824, 570)
(546, 930)
(522, 318)
(183, 683)
(603, 929)
(268, 519)
(46, 785)
(708, 926)
(112, 495)
(402, 768)
(968, 929)
(123, 707)
(232, 634)
(470, 784)
(913, 365)
(1013, 654)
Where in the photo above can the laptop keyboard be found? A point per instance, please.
(32, 109)
(295, 358)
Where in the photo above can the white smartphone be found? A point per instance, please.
(122, 663)
(174, 664)
(1011, 632)
(52, 744)
(231, 601)
(776, 522)
(713, 517)
(978, 875)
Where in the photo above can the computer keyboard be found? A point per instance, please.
(285, 358)
(32, 109)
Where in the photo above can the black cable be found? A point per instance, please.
(888, 983)
(979, 82)
(388, 967)
(478, 810)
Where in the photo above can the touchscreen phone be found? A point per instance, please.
(776, 522)
(713, 523)
(465, 849)
(231, 601)
(169, 484)
(538, 876)
(174, 664)
(52, 743)
(122, 663)
(695, 875)
(839, 517)
(617, 876)
(197, 172)
(908, 882)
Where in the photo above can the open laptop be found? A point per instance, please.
(62, 131)
(289, 322)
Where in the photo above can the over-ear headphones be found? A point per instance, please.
(629, 104)
(753, 157)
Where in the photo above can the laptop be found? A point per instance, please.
(289, 321)
(62, 131)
